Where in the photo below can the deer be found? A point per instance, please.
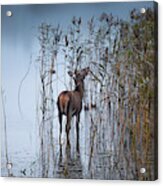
(70, 104)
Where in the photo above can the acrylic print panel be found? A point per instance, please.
(79, 91)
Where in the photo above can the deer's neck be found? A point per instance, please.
(80, 88)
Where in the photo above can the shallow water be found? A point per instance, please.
(100, 156)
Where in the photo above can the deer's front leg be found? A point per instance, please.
(77, 131)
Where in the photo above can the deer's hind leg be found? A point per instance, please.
(60, 133)
(68, 127)
(68, 123)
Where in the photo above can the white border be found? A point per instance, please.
(61, 182)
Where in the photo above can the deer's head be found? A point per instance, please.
(79, 75)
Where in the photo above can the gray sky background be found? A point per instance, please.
(19, 42)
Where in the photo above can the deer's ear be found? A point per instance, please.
(86, 71)
(70, 73)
